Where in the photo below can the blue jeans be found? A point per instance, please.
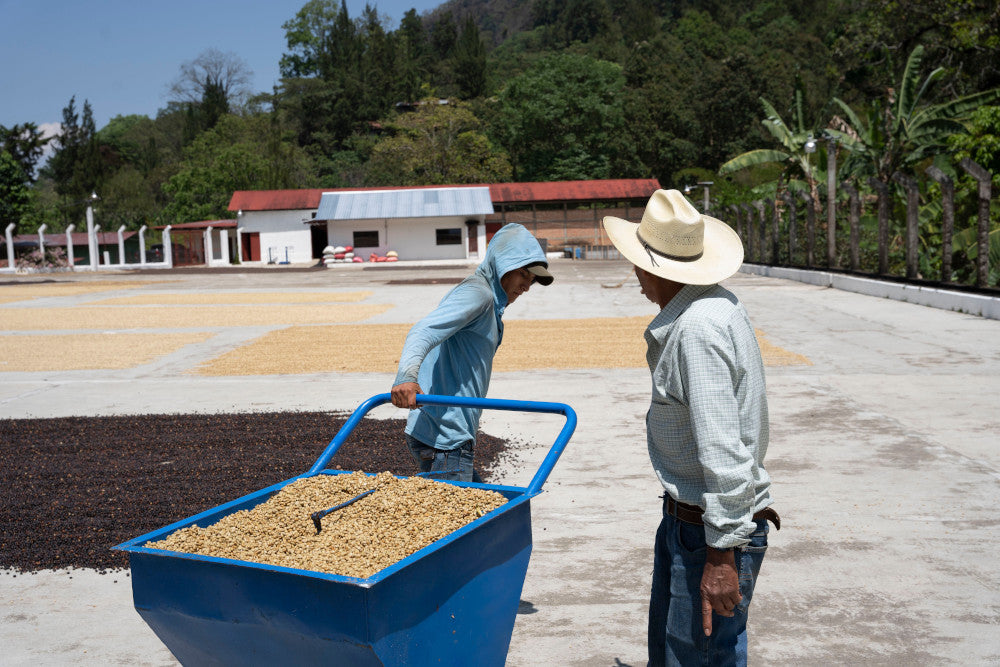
(453, 464)
(676, 636)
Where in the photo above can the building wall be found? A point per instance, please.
(411, 238)
(280, 230)
(567, 224)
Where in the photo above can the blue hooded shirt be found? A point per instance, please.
(450, 352)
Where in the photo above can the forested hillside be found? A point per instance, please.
(526, 90)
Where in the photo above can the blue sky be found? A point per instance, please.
(122, 55)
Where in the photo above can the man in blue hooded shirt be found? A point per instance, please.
(450, 352)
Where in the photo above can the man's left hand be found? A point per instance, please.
(720, 586)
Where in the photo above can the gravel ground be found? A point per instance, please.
(77, 486)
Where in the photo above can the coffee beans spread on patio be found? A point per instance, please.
(400, 517)
(76, 486)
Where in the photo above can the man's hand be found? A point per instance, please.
(404, 395)
(720, 587)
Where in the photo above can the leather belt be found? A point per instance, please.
(692, 513)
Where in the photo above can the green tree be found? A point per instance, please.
(307, 36)
(692, 91)
(14, 195)
(980, 141)
(900, 131)
(565, 114)
(239, 153)
(436, 144)
(470, 61)
(412, 66)
(963, 35)
(25, 143)
(76, 167)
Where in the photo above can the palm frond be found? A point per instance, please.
(753, 158)
(907, 91)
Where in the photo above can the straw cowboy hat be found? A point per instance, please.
(676, 242)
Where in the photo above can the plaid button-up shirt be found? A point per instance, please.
(707, 426)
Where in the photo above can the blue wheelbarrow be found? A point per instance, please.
(454, 602)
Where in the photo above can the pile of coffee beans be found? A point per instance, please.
(386, 520)
(76, 486)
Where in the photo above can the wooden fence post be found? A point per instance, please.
(947, 218)
(759, 205)
(854, 220)
(810, 227)
(752, 231)
(831, 202)
(912, 211)
(739, 229)
(883, 223)
(792, 224)
(775, 219)
(985, 185)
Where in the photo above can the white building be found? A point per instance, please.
(418, 223)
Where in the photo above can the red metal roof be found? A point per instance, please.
(275, 200)
(500, 193)
(608, 190)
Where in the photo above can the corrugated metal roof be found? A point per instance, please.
(500, 193)
(408, 203)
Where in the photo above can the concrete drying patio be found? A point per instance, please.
(884, 451)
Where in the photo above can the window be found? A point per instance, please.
(366, 239)
(450, 236)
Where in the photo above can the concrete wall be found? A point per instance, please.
(934, 297)
(278, 230)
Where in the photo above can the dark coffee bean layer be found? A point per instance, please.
(74, 487)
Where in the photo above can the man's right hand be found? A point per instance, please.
(404, 395)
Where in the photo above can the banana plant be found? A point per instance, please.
(900, 131)
(798, 145)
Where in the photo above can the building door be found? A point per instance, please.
(251, 247)
(472, 228)
(491, 229)
(319, 239)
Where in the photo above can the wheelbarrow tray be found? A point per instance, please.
(454, 602)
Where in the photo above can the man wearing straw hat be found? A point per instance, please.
(706, 430)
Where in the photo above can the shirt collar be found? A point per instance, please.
(660, 326)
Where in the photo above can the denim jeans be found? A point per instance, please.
(676, 636)
(453, 464)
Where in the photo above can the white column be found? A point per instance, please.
(41, 240)
(92, 238)
(168, 249)
(209, 251)
(224, 245)
(121, 245)
(95, 259)
(10, 247)
(239, 244)
(142, 244)
(69, 245)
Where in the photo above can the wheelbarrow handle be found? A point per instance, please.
(468, 402)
